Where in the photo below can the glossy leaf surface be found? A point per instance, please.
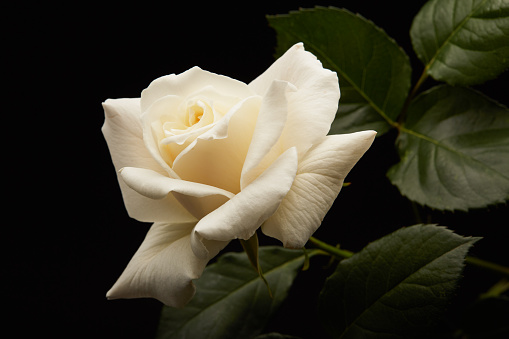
(462, 42)
(454, 150)
(397, 286)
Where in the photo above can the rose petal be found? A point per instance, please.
(269, 125)
(248, 108)
(216, 157)
(124, 135)
(318, 181)
(313, 106)
(241, 216)
(171, 109)
(189, 82)
(164, 109)
(163, 267)
(197, 198)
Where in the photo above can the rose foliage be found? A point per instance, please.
(208, 159)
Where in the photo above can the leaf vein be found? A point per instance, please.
(255, 279)
(417, 270)
(453, 33)
(452, 150)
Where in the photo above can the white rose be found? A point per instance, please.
(209, 159)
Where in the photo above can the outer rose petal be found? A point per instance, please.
(319, 179)
(269, 126)
(241, 216)
(124, 136)
(198, 199)
(313, 106)
(163, 267)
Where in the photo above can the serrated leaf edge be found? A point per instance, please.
(469, 241)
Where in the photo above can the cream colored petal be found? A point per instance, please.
(319, 179)
(216, 157)
(269, 126)
(197, 198)
(313, 106)
(189, 82)
(243, 112)
(164, 109)
(167, 129)
(220, 101)
(124, 135)
(163, 268)
(241, 216)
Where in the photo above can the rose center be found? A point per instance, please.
(195, 112)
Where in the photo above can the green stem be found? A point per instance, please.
(488, 265)
(337, 252)
(344, 254)
(419, 83)
(496, 290)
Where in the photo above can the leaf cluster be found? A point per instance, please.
(396, 287)
(453, 141)
(453, 145)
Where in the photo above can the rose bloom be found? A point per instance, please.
(209, 159)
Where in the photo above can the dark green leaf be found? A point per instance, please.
(463, 42)
(231, 300)
(397, 286)
(374, 73)
(354, 117)
(454, 150)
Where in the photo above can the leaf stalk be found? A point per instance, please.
(488, 265)
(345, 254)
(329, 249)
(412, 94)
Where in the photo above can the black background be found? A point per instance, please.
(67, 236)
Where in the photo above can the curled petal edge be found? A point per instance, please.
(319, 179)
(243, 214)
(198, 199)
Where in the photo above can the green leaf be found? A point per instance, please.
(231, 300)
(397, 286)
(359, 116)
(374, 73)
(454, 150)
(462, 42)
